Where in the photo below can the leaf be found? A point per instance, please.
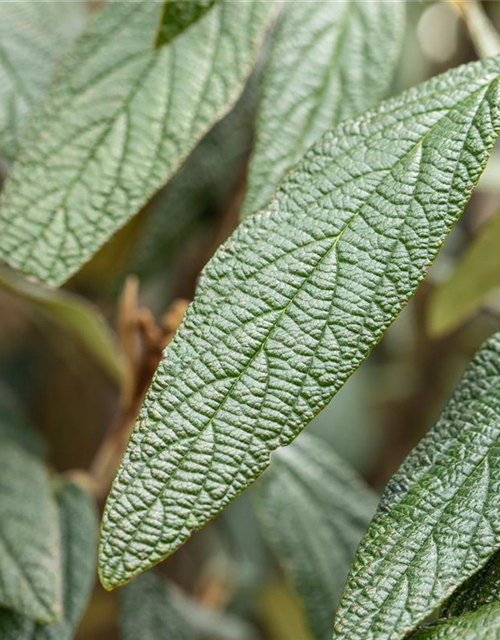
(292, 304)
(154, 608)
(483, 624)
(482, 588)
(14, 425)
(34, 36)
(117, 125)
(78, 523)
(315, 510)
(147, 611)
(439, 519)
(328, 61)
(30, 581)
(73, 315)
(475, 278)
(178, 15)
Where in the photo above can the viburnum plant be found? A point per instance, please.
(348, 198)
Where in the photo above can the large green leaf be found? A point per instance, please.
(34, 36)
(482, 588)
(439, 519)
(328, 61)
(290, 306)
(483, 624)
(78, 522)
(30, 580)
(475, 279)
(315, 511)
(118, 123)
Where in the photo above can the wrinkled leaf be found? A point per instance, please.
(328, 61)
(178, 15)
(439, 519)
(78, 523)
(30, 580)
(483, 624)
(474, 280)
(482, 588)
(34, 36)
(73, 315)
(292, 304)
(315, 510)
(116, 126)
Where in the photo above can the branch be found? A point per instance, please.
(483, 34)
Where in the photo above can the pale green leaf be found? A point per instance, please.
(483, 624)
(74, 315)
(178, 15)
(474, 280)
(116, 126)
(34, 36)
(328, 61)
(291, 305)
(78, 524)
(315, 510)
(30, 580)
(439, 519)
(482, 588)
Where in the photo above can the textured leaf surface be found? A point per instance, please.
(117, 124)
(475, 279)
(315, 510)
(178, 16)
(30, 580)
(292, 304)
(74, 315)
(34, 36)
(78, 524)
(439, 519)
(483, 624)
(482, 588)
(328, 61)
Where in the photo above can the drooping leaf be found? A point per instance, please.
(439, 519)
(78, 524)
(14, 425)
(118, 123)
(474, 280)
(328, 61)
(482, 588)
(483, 624)
(292, 304)
(30, 580)
(315, 510)
(34, 36)
(72, 314)
(178, 15)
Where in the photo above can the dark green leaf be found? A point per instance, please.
(439, 519)
(178, 15)
(34, 36)
(315, 510)
(482, 588)
(78, 522)
(116, 126)
(328, 61)
(291, 305)
(30, 580)
(483, 624)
